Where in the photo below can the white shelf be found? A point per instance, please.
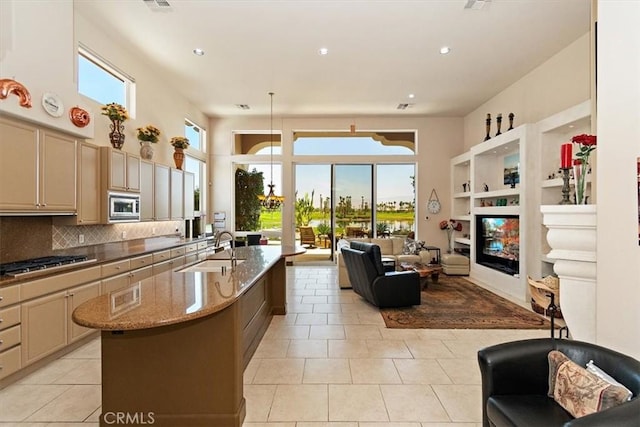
(545, 258)
(497, 193)
(557, 182)
(497, 210)
(462, 195)
(461, 217)
(463, 241)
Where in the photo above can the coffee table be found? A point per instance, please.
(424, 270)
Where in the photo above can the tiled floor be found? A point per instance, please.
(330, 362)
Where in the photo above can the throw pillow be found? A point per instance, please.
(577, 390)
(409, 247)
(595, 370)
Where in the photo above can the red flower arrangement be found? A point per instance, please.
(587, 144)
(452, 224)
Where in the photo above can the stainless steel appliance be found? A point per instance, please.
(43, 265)
(123, 207)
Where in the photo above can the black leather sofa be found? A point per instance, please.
(369, 279)
(515, 384)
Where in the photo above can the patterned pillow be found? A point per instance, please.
(410, 247)
(578, 391)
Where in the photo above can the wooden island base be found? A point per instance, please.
(189, 373)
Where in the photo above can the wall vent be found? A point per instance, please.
(404, 106)
(158, 5)
(243, 106)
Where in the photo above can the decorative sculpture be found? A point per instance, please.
(488, 126)
(79, 117)
(8, 86)
(499, 123)
(511, 116)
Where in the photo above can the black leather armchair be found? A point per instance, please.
(515, 384)
(369, 280)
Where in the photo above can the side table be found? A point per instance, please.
(434, 249)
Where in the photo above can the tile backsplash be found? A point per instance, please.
(36, 236)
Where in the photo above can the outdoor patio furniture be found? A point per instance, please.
(307, 236)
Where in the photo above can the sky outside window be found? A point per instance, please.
(98, 84)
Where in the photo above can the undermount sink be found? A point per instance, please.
(211, 265)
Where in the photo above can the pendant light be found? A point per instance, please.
(271, 201)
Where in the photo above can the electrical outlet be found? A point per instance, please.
(124, 234)
(80, 238)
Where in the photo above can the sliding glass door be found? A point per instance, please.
(352, 200)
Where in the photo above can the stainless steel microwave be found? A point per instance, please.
(124, 207)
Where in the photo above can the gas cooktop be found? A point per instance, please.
(38, 265)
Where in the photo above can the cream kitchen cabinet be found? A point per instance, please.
(46, 321)
(177, 195)
(146, 190)
(189, 186)
(161, 192)
(120, 170)
(37, 169)
(88, 188)
(10, 331)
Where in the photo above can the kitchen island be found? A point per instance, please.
(175, 345)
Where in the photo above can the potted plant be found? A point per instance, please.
(179, 144)
(147, 135)
(117, 114)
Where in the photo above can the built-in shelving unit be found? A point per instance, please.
(480, 186)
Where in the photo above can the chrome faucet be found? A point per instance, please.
(234, 260)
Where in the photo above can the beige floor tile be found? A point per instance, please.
(462, 402)
(272, 349)
(362, 332)
(250, 424)
(301, 292)
(287, 319)
(327, 371)
(348, 348)
(329, 332)
(343, 319)
(305, 402)
(314, 299)
(327, 424)
(465, 349)
(388, 349)
(75, 404)
(371, 318)
(359, 305)
(462, 371)
(279, 371)
(94, 417)
(356, 402)
(435, 334)
(51, 372)
(91, 350)
(374, 371)
(421, 371)
(86, 372)
(299, 308)
(399, 334)
(390, 424)
(287, 332)
(428, 349)
(311, 319)
(412, 403)
(451, 424)
(340, 299)
(258, 401)
(17, 402)
(251, 369)
(307, 348)
(327, 308)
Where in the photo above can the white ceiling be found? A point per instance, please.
(380, 51)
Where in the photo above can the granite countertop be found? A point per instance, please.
(174, 297)
(109, 252)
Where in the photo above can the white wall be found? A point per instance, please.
(439, 139)
(559, 83)
(37, 50)
(618, 252)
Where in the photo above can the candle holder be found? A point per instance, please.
(499, 123)
(565, 187)
(488, 127)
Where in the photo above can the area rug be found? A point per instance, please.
(456, 303)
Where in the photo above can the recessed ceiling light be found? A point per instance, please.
(197, 51)
(445, 50)
(323, 51)
(412, 95)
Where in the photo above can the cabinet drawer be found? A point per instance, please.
(162, 266)
(202, 245)
(141, 274)
(10, 361)
(9, 317)
(176, 252)
(191, 248)
(141, 261)
(115, 282)
(9, 295)
(9, 337)
(59, 282)
(161, 256)
(190, 258)
(114, 268)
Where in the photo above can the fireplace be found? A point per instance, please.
(498, 242)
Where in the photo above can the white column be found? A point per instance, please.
(572, 238)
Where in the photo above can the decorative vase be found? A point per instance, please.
(451, 240)
(178, 157)
(146, 150)
(116, 136)
(580, 180)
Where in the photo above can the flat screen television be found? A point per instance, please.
(498, 242)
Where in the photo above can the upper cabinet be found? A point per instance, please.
(120, 170)
(189, 201)
(177, 194)
(146, 190)
(37, 169)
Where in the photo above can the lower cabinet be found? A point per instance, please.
(47, 325)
